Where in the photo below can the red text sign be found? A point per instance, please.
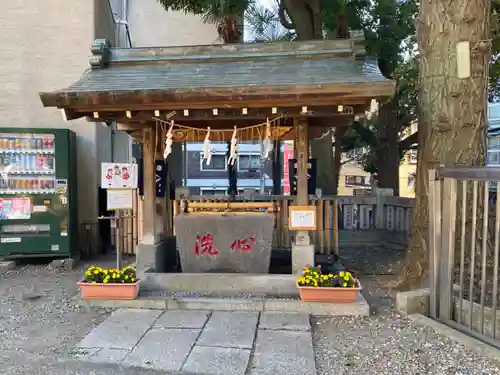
(244, 245)
(205, 245)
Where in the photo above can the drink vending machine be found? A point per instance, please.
(38, 212)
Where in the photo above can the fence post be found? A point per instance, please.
(380, 201)
(434, 235)
(446, 260)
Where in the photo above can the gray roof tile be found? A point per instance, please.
(227, 74)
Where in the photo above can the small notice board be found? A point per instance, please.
(120, 199)
(119, 176)
(302, 218)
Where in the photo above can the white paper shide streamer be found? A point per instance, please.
(207, 152)
(168, 142)
(268, 144)
(233, 151)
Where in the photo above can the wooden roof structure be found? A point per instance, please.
(225, 85)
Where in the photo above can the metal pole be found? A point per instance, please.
(118, 224)
(185, 164)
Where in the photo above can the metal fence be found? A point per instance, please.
(464, 231)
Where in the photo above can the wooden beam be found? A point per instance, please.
(237, 114)
(130, 126)
(310, 95)
(70, 114)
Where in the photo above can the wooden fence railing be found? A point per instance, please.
(325, 238)
(336, 217)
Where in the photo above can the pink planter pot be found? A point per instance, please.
(109, 291)
(338, 295)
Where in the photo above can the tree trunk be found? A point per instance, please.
(452, 118)
(387, 151)
(322, 151)
(337, 157)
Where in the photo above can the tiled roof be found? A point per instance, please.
(278, 71)
(234, 72)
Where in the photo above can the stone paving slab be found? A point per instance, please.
(182, 319)
(163, 349)
(109, 356)
(229, 330)
(285, 321)
(217, 361)
(203, 342)
(122, 330)
(283, 353)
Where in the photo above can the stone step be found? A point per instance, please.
(202, 342)
(232, 303)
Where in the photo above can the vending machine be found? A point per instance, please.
(38, 212)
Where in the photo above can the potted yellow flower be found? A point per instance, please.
(316, 286)
(110, 283)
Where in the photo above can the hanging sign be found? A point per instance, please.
(311, 176)
(287, 155)
(119, 176)
(161, 178)
(119, 199)
(302, 218)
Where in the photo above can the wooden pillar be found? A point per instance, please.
(302, 250)
(277, 167)
(302, 156)
(150, 237)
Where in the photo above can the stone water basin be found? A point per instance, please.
(224, 243)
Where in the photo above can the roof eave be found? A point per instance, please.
(301, 94)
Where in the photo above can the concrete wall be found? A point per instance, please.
(45, 46)
(151, 26)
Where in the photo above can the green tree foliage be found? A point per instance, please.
(262, 24)
(494, 83)
(364, 134)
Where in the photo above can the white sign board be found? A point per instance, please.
(119, 199)
(302, 218)
(119, 176)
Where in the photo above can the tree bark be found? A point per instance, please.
(322, 151)
(307, 21)
(337, 157)
(452, 118)
(387, 150)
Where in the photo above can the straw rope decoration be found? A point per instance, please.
(261, 129)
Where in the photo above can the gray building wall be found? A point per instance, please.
(44, 45)
(151, 26)
(194, 170)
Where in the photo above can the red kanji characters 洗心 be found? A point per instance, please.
(205, 245)
(243, 245)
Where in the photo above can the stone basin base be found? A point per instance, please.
(226, 243)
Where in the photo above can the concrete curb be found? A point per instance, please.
(476, 346)
(413, 301)
(223, 283)
(7, 265)
(359, 308)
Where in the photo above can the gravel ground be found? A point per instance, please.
(39, 325)
(36, 312)
(390, 344)
(386, 343)
(372, 260)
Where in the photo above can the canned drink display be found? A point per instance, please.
(24, 162)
